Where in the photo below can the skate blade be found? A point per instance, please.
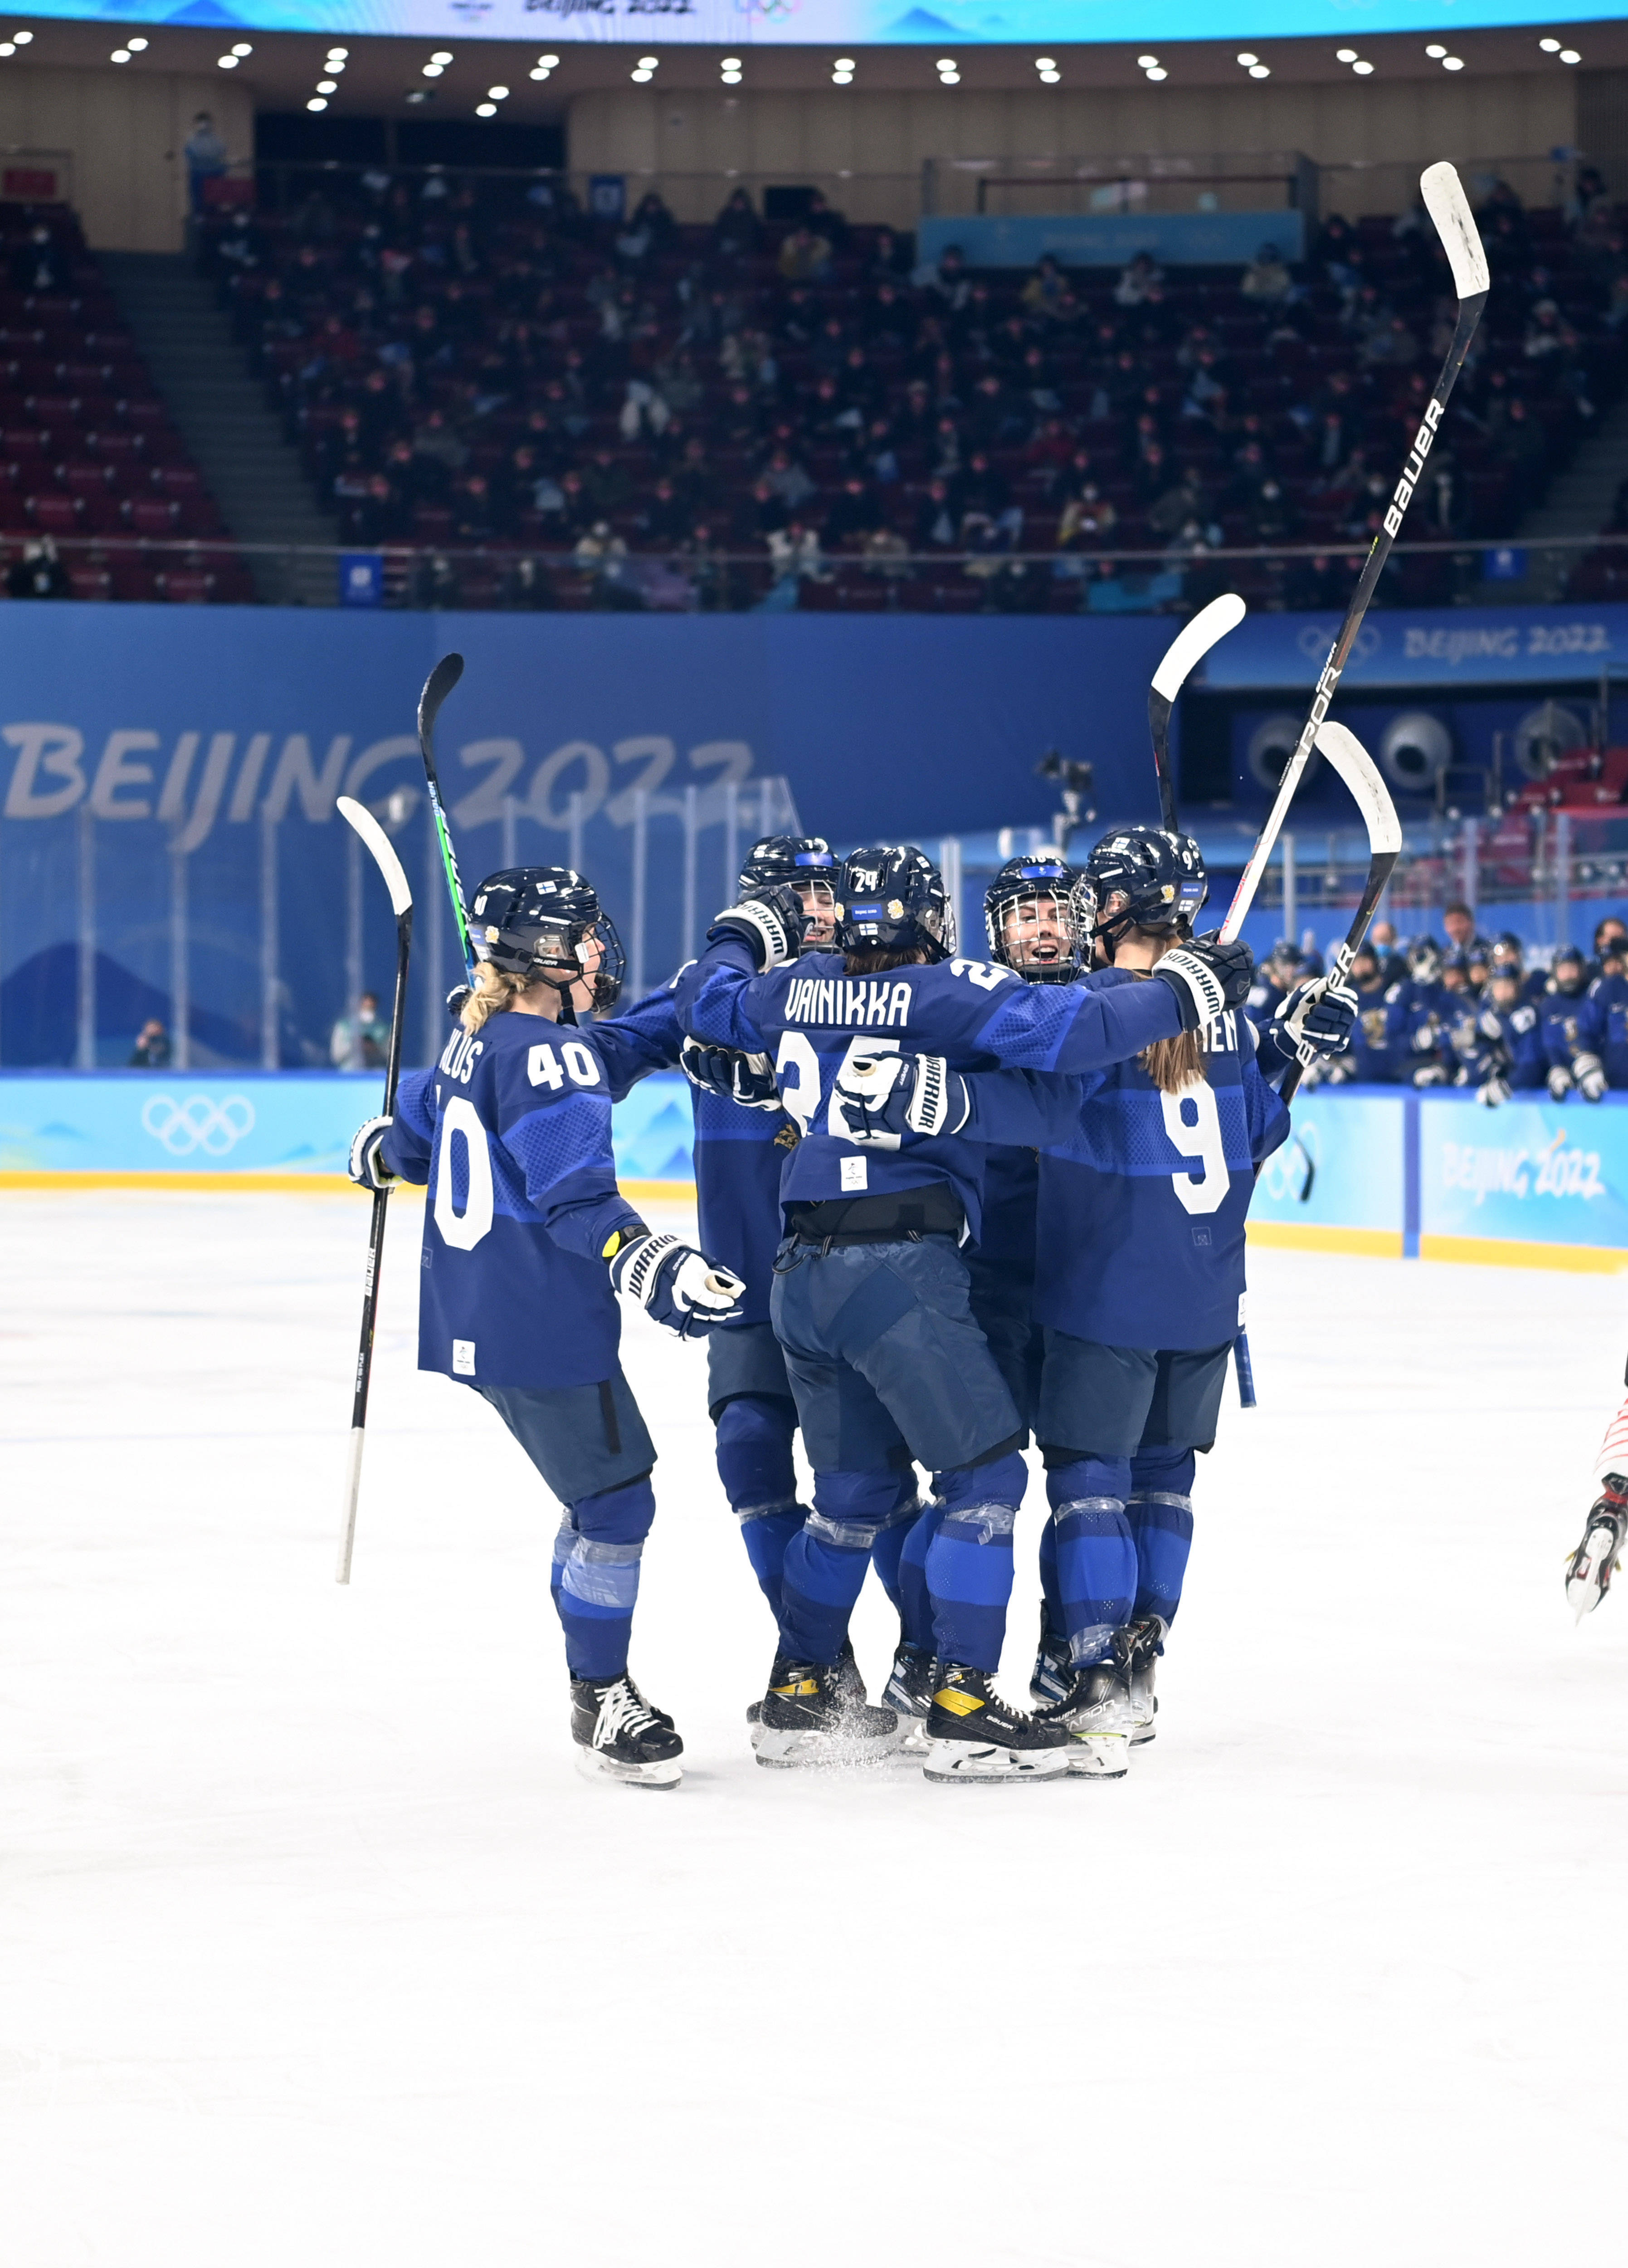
(779, 1751)
(594, 1765)
(1100, 1755)
(970, 1764)
(1592, 1564)
(1143, 1734)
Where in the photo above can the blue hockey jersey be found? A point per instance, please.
(511, 1132)
(1609, 997)
(810, 1017)
(738, 1153)
(1140, 1234)
(1572, 1024)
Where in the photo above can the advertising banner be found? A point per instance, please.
(1532, 1173)
(1458, 646)
(1337, 1184)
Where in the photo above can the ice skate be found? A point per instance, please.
(1137, 1647)
(1054, 1673)
(848, 1676)
(909, 1690)
(815, 1713)
(1591, 1566)
(1096, 1714)
(973, 1736)
(620, 1737)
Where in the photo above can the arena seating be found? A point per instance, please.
(88, 456)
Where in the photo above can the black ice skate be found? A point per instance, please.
(815, 1714)
(618, 1736)
(909, 1690)
(1591, 1566)
(1097, 1714)
(1054, 1673)
(1135, 1650)
(972, 1734)
(846, 1671)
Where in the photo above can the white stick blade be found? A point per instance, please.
(1206, 628)
(1352, 760)
(1449, 208)
(384, 852)
(353, 1490)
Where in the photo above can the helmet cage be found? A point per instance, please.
(1021, 887)
(541, 923)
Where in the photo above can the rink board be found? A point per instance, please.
(1366, 1170)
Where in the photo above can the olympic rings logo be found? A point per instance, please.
(198, 1123)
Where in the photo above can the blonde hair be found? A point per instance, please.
(495, 991)
(1173, 1064)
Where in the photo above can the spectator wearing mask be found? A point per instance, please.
(1574, 1029)
(152, 1051)
(1610, 948)
(358, 1042)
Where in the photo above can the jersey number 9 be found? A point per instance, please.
(1199, 1136)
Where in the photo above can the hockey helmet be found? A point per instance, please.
(806, 861)
(1039, 916)
(1508, 953)
(546, 922)
(892, 898)
(1145, 879)
(1569, 972)
(1424, 960)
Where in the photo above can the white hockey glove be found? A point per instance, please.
(882, 1097)
(1493, 1091)
(732, 1072)
(675, 1284)
(772, 924)
(1319, 1015)
(1433, 1074)
(1589, 1072)
(1208, 977)
(1428, 1038)
(1560, 1082)
(367, 1168)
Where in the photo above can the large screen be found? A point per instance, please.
(845, 23)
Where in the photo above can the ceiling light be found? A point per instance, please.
(540, 73)
(1363, 70)
(328, 86)
(842, 79)
(1260, 71)
(1452, 62)
(1156, 73)
(729, 62)
(21, 39)
(1146, 62)
(434, 70)
(442, 55)
(1436, 53)
(485, 110)
(641, 77)
(139, 47)
(947, 63)
(331, 65)
(1349, 55)
(649, 63)
(1549, 47)
(317, 102)
(120, 55)
(1045, 62)
(949, 78)
(731, 78)
(336, 55)
(497, 94)
(1570, 55)
(7, 48)
(548, 62)
(1247, 59)
(844, 62)
(1051, 78)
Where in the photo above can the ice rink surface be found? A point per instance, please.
(316, 1953)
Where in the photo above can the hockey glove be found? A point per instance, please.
(368, 1168)
(1319, 1015)
(1589, 1072)
(1207, 977)
(675, 1284)
(879, 1098)
(1493, 1092)
(456, 999)
(1560, 1082)
(771, 924)
(1433, 1074)
(738, 1076)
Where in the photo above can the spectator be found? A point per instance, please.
(360, 1042)
(1137, 281)
(1611, 947)
(734, 232)
(804, 258)
(1459, 922)
(39, 573)
(152, 1051)
(205, 158)
(1266, 280)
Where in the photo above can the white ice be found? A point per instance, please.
(316, 1953)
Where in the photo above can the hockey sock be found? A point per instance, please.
(598, 1576)
(969, 1562)
(753, 1448)
(825, 1561)
(1051, 1587)
(1160, 1511)
(889, 1548)
(1095, 1555)
(915, 1608)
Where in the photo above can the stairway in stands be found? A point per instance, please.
(1579, 503)
(234, 438)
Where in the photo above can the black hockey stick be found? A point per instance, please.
(438, 685)
(1207, 626)
(1352, 760)
(401, 902)
(1449, 208)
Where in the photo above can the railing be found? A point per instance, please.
(512, 576)
(1150, 182)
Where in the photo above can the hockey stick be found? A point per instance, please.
(1352, 760)
(401, 904)
(438, 685)
(1207, 626)
(1448, 207)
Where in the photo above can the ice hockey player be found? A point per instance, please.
(742, 1133)
(1573, 1030)
(1369, 1056)
(871, 1294)
(1608, 998)
(527, 1242)
(1591, 1568)
(1501, 1053)
(1160, 1164)
(1418, 1011)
